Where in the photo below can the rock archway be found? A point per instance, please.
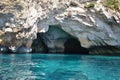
(57, 40)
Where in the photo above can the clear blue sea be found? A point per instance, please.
(58, 67)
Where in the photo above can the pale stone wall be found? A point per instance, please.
(24, 18)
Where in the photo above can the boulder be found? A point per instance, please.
(23, 49)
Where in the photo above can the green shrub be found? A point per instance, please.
(90, 5)
(113, 4)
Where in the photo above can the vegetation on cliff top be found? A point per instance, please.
(112, 4)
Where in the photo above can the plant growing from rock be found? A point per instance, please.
(112, 4)
(90, 5)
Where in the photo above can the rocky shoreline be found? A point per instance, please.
(57, 41)
(96, 50)
(59, 26)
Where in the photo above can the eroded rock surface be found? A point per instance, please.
(21, 20)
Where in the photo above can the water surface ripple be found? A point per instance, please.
(58, 67)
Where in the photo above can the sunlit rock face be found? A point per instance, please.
(21, 20)
(18, 23)
(98, 26)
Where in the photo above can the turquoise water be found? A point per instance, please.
(58, 67)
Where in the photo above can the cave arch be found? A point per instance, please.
(56, 40)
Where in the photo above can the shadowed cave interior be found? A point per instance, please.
(56, 40)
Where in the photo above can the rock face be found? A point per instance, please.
(93, 26)
(18, 23)
(39, 45)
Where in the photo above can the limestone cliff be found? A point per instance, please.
(91, 21)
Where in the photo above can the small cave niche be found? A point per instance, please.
(72, 45)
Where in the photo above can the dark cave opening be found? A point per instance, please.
(56, 40)
(73, 46)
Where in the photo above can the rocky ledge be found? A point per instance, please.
(58, 26)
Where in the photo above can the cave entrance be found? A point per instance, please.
(59, 41)
(72, 45)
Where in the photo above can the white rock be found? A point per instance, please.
(8, 30)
